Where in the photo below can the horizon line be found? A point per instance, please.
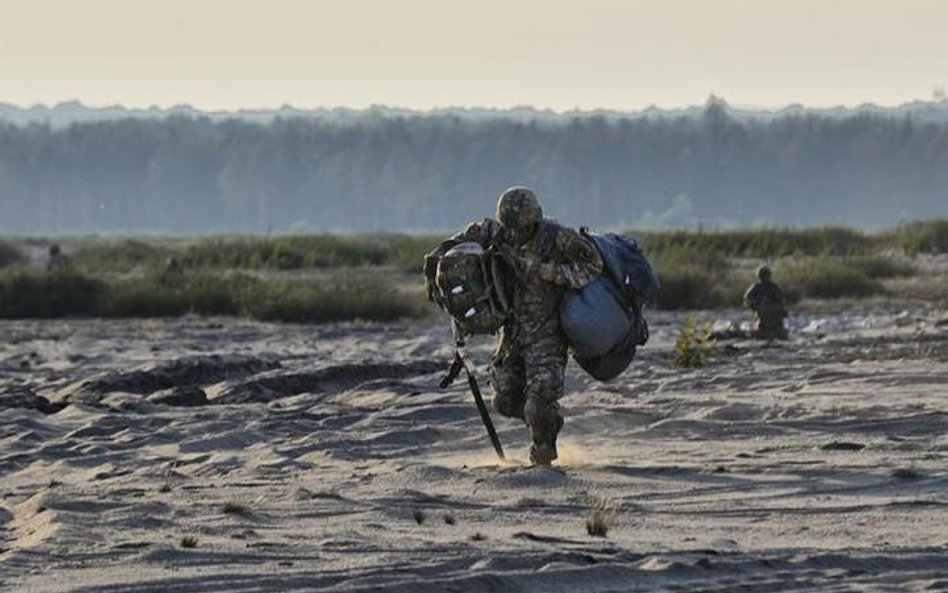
(934, 100)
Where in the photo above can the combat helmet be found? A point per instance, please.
(764, 274)
(471, 290)
(519, 213)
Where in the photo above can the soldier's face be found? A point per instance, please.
(516, 235)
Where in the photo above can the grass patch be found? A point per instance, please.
(159, 295)
(342, 299)
(765, 243)
(827, 278)
(70, 293)
(602, 517)
(189, 542)
(920, 237)
(881, 267)
(42, 295)
(694, 280)
(309, 251)
(405, 252)
(120, 256)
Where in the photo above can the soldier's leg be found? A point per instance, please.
(507, 379)
(545, 362)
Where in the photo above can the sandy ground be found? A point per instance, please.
(326, 459)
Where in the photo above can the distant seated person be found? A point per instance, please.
(172, 266)
(57, 259)
(766, 300)
(172, 271)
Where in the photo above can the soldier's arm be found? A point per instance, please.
(752, 297)
(583, 263)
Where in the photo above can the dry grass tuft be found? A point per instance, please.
(602, 517)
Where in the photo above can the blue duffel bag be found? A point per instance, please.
(603, 321)
(594, 319)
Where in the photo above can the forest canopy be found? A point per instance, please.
(379, 171)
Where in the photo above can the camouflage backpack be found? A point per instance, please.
(471, 284)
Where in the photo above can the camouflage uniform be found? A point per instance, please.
(529, 363)
(766, 300)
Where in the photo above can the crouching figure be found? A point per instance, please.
(765, 299)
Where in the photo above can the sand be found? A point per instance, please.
(300, 458)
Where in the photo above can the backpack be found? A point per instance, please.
(603, 321)
(470, 288)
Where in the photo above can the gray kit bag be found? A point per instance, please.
(603, 321)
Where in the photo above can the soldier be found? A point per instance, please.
(57, 260)
(529, 363)
(765, 299)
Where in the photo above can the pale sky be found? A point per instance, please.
(422, 54)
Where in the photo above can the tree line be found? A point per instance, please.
(388, 172)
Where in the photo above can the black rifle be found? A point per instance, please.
(462, 363)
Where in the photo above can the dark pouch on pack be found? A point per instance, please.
(610, 365)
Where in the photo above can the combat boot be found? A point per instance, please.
(544, 453)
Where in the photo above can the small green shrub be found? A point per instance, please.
(189, 542)
(694, 346)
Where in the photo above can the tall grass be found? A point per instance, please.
(313, 251)
(68, 293)
(828, 278)
(121, 278)
(764, 243)
(121, 256)
(31, 294)
(920, 237)
(291, 252)
(340, 300)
